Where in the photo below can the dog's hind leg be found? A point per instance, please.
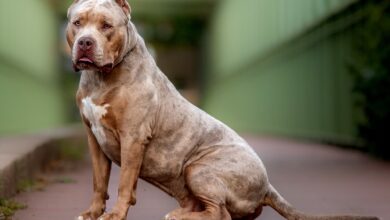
(252, 216)
(212, 211)
(187, 205)
(209, 190)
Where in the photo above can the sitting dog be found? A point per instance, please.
(136, 118)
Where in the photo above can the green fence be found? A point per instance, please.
(278, 67)
(30, 93)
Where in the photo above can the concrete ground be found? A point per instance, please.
(315, 178)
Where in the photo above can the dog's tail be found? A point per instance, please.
(277, 202)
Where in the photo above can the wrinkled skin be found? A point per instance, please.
(136, 118)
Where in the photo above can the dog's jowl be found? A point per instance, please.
(135, 118)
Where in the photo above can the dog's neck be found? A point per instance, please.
(131, 43)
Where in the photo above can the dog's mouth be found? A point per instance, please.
(85, 63)
(86, 60)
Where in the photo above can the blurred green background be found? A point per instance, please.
(307, 69)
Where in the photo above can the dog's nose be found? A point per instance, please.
(85, 43)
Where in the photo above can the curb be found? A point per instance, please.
(23, 156)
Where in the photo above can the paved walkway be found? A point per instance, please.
(315, 178)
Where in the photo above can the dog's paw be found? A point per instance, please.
(111, 216)
(82, 218)
(170, 217)
(89, 215)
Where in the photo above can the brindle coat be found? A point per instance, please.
(136, 118)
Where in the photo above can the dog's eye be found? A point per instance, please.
(107, 26)
(77, 23)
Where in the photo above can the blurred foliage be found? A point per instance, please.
(370, 67)
(9, 207)
(64, 180)
(31, 185)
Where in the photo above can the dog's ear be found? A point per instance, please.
(125, 6)
(71, 6)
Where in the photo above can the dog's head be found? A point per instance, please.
(98, 32)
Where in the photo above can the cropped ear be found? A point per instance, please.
(125, 7)
(71, 6)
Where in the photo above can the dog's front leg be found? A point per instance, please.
(101, 175)
(132, 153)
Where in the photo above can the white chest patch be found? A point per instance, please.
(99, 2)
(94, 113)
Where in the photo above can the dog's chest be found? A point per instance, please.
(95, 115)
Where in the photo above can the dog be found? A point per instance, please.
(136, 118)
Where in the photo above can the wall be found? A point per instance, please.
(30, 91)
(276, 70)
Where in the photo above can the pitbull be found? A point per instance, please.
(136, 118)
